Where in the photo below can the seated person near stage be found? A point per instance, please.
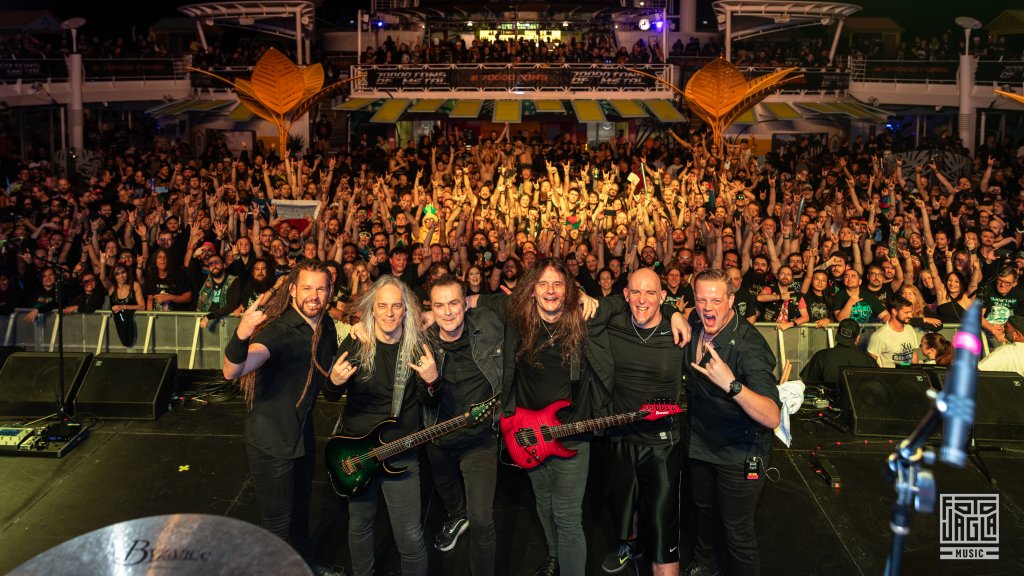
(1008, 357)
(826, 365)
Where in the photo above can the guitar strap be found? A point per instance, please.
(402, 372)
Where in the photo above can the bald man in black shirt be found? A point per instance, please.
(644, 460)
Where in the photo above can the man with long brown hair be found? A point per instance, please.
(384, 373)
(282, 352)
(553, 352)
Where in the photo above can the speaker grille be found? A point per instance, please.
(999, 410)
(131, 386)
(29, 382)
(885, 401)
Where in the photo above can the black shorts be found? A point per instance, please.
(645, 480)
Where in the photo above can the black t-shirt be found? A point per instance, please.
(42, 299)
(884, 294)
(462, 385)
(279, 424)
(645, 372)
(770, 311)
(825, 365)
(539, 386)
(744, 304)
(867, 310)
(369, 395)
(174, 283)
(672, 298)
(818, 307)
(998, 307)
(588, 283)
(409, 276)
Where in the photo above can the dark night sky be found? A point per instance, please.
(926, 17)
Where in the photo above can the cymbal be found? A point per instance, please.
(178, 544)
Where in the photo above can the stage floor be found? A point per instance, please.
(193, 461)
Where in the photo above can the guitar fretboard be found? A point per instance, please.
(396, 447)
(573, 428)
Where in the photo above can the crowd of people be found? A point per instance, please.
(588, 48)
(714, 234)
(810, 233)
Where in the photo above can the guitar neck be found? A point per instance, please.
(406, 443)
(573, 428)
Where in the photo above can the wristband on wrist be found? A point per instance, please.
(237, 349)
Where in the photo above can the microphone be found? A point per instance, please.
(956, 401)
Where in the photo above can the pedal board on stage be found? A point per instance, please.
(11, 438)
(53, 441)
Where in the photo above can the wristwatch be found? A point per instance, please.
(735, 387)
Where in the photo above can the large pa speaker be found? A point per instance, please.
(132, 386)
(885, 401)
(999, 408)
(29, 382)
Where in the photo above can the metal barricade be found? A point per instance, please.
(203, 348)
(167, 332)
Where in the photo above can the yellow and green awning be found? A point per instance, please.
(428, 105)
(507, 112)
(588, 111)
(628, 108)
(390, 111)
(241, 113)
(466, 109)
(186, 105)
(780, 111)
(664, 111)
(354, 104)
(548, 106)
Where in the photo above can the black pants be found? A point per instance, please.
(283, 490)
(465, 480)
(726, 502)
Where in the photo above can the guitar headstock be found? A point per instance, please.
(477, 412)
(658, 410)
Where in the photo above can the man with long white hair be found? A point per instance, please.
(384, 374)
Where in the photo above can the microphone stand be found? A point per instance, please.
(62, 411)
(914, 485)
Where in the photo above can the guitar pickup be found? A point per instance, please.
(348, 467)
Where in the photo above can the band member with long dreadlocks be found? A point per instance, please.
(282, 352)
(385, 373)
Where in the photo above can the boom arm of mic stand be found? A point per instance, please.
(914, 485)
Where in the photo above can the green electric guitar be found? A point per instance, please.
(354, 462)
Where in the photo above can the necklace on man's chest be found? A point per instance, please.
(642, 339)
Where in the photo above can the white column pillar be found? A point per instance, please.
(688, 16)
(728, 34)
(75, 73)
(967, 116)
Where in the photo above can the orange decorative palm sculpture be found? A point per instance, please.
(281, 92)
(1015, 97)
(719, 93)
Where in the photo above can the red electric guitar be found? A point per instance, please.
(531, 436)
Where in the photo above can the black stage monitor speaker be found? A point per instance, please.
(998, 413)
(29, 382)
(134, 386)
(885, 401)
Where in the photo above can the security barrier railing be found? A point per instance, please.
(202, 348)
